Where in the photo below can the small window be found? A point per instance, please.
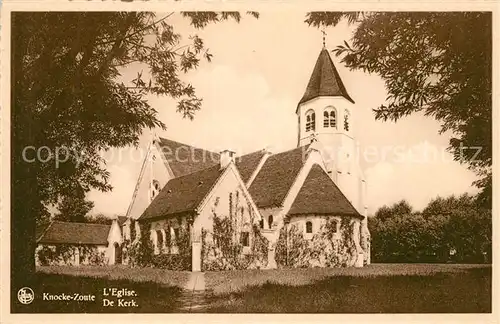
(261, 223)
(176, 234)
(245, 239)
(309, 227)
(310, 121)
(270, 221)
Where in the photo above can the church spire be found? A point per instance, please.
(325, 80)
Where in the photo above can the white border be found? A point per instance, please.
(230, 5)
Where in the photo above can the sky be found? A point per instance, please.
(250, 90)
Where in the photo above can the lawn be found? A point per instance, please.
(234, 281)
(375, 289)
(121, 272)
(378, 288)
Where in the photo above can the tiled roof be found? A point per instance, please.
(320, 195)
(75, 233)
(247, 164)
(276, 176)
(185, 159)
(183, 194)
(325, 80)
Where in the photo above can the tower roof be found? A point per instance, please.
(325, 80)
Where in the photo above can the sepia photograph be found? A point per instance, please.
(312, 162)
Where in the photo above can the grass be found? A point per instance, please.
(418, 289)
(121, 272)
(379, 288)
(221, 282)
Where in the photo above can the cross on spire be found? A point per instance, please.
(324, 37)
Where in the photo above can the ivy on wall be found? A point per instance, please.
(327, 248)
(222, 248)
(175, 255)
(65, 255)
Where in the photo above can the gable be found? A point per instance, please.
(152, 169)
(276, 177)
(320, 195)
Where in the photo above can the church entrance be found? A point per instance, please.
(118, 253)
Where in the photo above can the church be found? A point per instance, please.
(305, 207)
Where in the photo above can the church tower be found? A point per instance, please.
(326, 116)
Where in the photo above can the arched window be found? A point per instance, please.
(270, 220)
(346, 121)
(310, 121)
(330, 118)
(309, 227)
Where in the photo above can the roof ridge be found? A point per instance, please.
(290, 150)
(253, 152)
(190, 174)
(177, 142)
(85, 223)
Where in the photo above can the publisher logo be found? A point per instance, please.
(25, 295)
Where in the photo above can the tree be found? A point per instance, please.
(69, 104)
(434, 62)
(74, 208)
(398, 209)
(100, 219)
(451, 224)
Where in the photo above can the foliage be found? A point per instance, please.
(140, 252)
(65, 255)
(133, 233)
(99, 219)
(69, 96)
(437, 63)
(326, 248)
(176, 262)
(175, 255)
(222, 248)
(449, 229)
(74, 207)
